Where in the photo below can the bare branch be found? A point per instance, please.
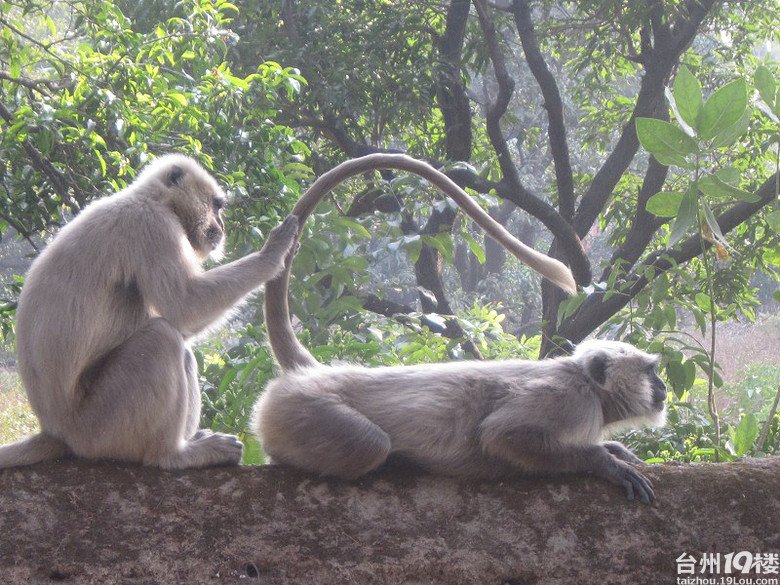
(511, 187)
(33, 84)
(556, 129)
(506, 86)
(644, 225)
(450, 93)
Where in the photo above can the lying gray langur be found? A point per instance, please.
(472, 419)
(106, 314)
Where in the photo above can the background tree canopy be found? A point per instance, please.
(636, 141)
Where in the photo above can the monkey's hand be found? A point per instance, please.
(280, 242)
(283, 236)
(619, 450)
(635, 483)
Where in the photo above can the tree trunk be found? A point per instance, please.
(107, 523)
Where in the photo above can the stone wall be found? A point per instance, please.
(74, 522)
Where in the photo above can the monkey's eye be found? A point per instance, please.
(218, 205)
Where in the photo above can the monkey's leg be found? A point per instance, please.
(192, 420)
(320, 434)
(138, 404)
(536, 450)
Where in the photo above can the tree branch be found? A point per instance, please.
(556, 129)
(599, 307)
(450, 93)
(44, 166)
(645, 224)
(497, 109)
(666, 52)
(511, 186)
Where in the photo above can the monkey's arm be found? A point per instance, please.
(619, 450)
(191, 301)
(535, 449)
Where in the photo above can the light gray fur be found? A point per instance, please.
(106, 314)
(473, 419)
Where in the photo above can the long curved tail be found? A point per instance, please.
(289, 352)
(32, 449)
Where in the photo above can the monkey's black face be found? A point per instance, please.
(214, 234)
(658, 387)
(216, 229)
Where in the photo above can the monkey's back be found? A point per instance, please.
(80, 299)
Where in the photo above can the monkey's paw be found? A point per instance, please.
(636, 484)
(227, 449)
(285, 234)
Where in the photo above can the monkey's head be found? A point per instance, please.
(194, 197)
(626, 382)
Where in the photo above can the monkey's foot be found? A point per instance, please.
(207, 449)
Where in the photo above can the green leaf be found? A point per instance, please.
(353, 225)
(413, 245)
(475, 247)
(441, 242)
(666, 142)
(731, 134)
(723, 108)
(687, 96)
(712, 222)
(728, 175)
(773, 219)
(745, 434)
(664, 203)
(715, 188)
(686, 216)
(765, 83)
(677, 377)
(569, 306)
(15, 69)
(703, 301)
(178, 97)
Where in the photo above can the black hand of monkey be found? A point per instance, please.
(636, 484)
(282, 238)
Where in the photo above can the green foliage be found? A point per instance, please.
(122, 95)
(705, 127)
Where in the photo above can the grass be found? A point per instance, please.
(16, 416)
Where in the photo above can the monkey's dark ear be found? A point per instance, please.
(173, 178)
(596, 368)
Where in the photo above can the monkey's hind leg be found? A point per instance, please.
(141, 403)
(318, 433)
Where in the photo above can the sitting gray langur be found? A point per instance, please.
(473, 419)
(106, 313)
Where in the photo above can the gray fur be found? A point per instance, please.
(473, 419)
(106, 314)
